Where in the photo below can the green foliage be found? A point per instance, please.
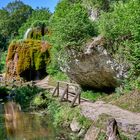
(3, 42)
(60, 76)
(25, 94)
(121, 29)
(37, 31)
(91, 95)
(101, 5)
(2, 61)
(124, 20)
(3, 92)
(38, 16)
(40, 101)
(70, 25)
(63, 115)
(9, 24)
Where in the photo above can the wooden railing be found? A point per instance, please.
(67, 92)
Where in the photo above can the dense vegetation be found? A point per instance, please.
(122, 33)
(119, 24)
(70, 27)
(11, 28)
(56, 38)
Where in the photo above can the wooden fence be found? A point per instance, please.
(69, 90)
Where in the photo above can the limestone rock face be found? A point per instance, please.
(75, 126)
(92, 133)
(95, 68)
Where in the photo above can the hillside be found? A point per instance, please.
(92, 43)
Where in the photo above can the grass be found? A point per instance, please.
(102, 136)
(60, 76)
(63, 114)
(92, 96)
(128, 101)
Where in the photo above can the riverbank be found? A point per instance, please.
(90, 119)
(67, 121)
(62, 115)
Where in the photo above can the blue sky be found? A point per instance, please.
(34, 3)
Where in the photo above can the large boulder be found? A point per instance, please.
(95, 68)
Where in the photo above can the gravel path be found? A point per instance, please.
(127, 121)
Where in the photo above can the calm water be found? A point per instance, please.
(17, 125)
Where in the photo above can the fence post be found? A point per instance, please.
(67, 96)
(79, 98)
(74, 100)
(57, 89)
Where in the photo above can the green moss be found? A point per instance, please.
(102, 121)
(11, 51)
(32, 54)
(62, 114)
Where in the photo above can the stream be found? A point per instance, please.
(18, 125)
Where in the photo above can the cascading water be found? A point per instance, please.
(27, 33)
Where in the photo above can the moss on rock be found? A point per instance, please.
(28, 55)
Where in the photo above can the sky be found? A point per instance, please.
(34, 3)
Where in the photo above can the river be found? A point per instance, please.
(18, 125)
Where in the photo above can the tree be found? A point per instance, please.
(17, 10)
(12, 18)
(70, 24)
(122, 31)
(41, 15)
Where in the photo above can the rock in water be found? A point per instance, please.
(95, 68)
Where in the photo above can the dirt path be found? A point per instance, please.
(127, 121)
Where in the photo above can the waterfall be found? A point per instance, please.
(27, 33)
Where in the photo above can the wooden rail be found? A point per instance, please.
(67, 92)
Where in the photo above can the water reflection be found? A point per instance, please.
(26, 126)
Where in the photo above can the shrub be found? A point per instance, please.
(24, 95)
(91, 95)
(70, 24)
(121, 29)
(63, 115)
